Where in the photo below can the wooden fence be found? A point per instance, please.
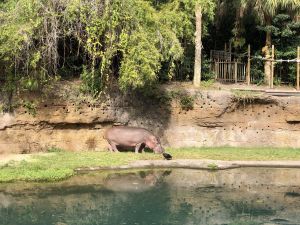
(227, 70)
(230, 71)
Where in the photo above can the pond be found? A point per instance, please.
(168, 197)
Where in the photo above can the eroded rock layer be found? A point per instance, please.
(218, 118)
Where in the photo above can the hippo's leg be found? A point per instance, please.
(109, 148)
(113, 147)
(139, 147)
(143, 148)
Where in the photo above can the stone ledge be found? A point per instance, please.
(194, 164)
(293, 119)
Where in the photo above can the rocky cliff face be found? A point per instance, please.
(218, 118)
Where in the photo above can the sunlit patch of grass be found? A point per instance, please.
(231, 153)
(61, 165)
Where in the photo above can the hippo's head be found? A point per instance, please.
(159, 149)
(154, 143)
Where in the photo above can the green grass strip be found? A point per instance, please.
(60, 165)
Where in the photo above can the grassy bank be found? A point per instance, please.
(60, 165)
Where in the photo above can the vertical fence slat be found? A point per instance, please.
(235, 72)
(222, 71)
(230, 71)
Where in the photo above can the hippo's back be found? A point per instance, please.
(128, 136)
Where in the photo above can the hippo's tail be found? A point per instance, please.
(104, 136)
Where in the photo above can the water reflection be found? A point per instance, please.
(239, 196)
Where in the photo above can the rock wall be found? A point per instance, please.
(219, 118)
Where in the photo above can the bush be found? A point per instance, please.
(185, 100)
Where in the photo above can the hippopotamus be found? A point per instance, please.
(136, 137)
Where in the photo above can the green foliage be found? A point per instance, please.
(212, 166)
(257, 70)
(286, 38)
(30, 107)
(245, 97)
(207, 74)
(91, 82)
(141, 62)
(28, 42)
(137, 42)
(285, 33)
(127, 39)
(60, 165)
(186, 101)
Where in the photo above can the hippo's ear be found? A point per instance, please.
(153, 138)
(157, 140)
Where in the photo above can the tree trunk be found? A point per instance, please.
(198, 46)
(266, 51)
(267, 66)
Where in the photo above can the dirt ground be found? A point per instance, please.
(231, 86)
(6, 158)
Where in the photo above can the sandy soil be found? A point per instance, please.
(5, 158)
(230, 86)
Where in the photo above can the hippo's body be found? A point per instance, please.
(132, 137)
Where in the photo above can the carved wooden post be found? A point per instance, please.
(217, 66)
(248, 66)
(272, 68)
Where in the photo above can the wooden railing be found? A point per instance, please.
(220, 56)
(230, 71)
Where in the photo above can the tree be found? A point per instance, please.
(123, 40)
(286, 38)
(198, 45)
(132, 43)
(202, 9)
(266, 10)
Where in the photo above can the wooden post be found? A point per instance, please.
(225, 68)
(272, 68)
(235, 71)
(298, 69)
(217, 66)
(248, 66)
(230, 48)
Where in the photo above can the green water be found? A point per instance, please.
(177, 197)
